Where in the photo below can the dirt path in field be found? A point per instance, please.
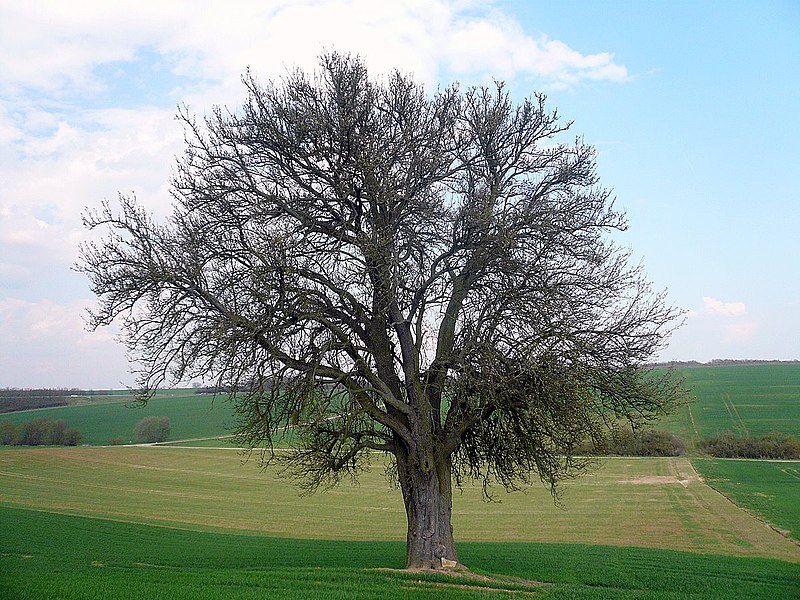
(684, 474)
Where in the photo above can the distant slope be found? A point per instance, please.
(745, 399)
(191, 416)
(748, 399)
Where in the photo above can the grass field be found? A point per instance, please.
(173, 522)
(744, 399)
(105, 418)
(770, 489)
(47, 555)
(657, 503)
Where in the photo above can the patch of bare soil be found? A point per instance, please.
(464, 579)
(660, 479)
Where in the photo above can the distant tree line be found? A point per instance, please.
(649, 442)
(15, 399)
(9, 405)
(212, 389)
(246, 387)
(48, 392)
(39, 432)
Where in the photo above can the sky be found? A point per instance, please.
(694, 108)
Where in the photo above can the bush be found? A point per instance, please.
(7, 433)
(644, 442)
(117, 441)
(772, 445)
(152, 429)
(72, 437)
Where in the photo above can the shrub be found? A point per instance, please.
(642, 442)
(152, 429)
(72, 437)
(7, 433)
(30, 433)
(772, 445)
(117, 441)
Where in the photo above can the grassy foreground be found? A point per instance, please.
(45, 555)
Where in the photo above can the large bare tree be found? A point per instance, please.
(428, 276)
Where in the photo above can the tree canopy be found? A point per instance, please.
(429, 276)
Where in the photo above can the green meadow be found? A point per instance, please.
(104, 418)
(47, 555)
(745, 399)
(771, 489)
(208, 522)
(649, 502)
(201, 523)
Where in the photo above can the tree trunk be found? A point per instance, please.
(427, 493)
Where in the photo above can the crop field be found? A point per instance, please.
(771, 489)
(105, 418)
(744, 399)
(657, 503)
(205, 522)
(58, 556)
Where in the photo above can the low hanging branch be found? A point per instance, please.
(429, 276)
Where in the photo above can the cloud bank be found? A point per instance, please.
(88, 91)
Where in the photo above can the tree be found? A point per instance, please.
(425, 276)
(152, 429)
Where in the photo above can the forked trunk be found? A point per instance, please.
(428, 497)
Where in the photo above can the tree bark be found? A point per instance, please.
(425, 480)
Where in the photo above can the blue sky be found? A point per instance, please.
(693, 107)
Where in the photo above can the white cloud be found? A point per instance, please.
(49, 180)
(56, 45)
(712, 306)
(717, 330)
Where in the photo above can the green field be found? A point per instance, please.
(202, 522)
(47, 555)
(177, 523)
(770, 489)
(105, 418)
(656, 503)
(744, 399)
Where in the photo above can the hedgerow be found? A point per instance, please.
(39, 432)
(641, 442)
(772, 445)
